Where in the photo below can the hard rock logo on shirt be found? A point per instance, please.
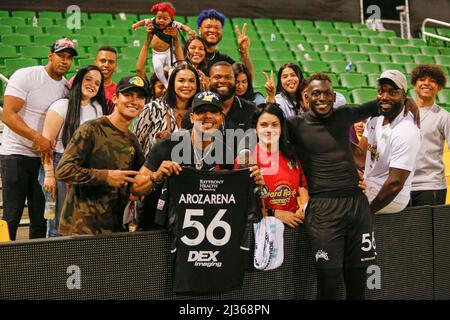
(374, 155)
(281, 195)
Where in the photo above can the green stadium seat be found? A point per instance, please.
(275, 46)
(355, 57)
(17, 63)
(126, 65)
(372, 79)
(398, 41)
(303, 23)
(416, 42)
(359, 26)
(308, 30)
(314, 66)
(300, 45)
(328, 32)
(324, 47)
(29, 30)
(262, 64)
(114, 41)
(306, 56)
(35, 52)
(13, 21)
(387, 34)
(116, 30)
(342, 25)
(58, 31)
(350, 32)
(16, 40)
(368, 48)
(5, 30)
(50, 14)
(23, 14)
(334, 79)
(324, 24)
(339, 66)
(409, 67)
(368, 67)
(285, 26)
(445, 51)
(227, 43)
(430, 51)
(260, 54)
(402, 58)
(124, 24)
(390, 49)
(445, 60)
(410, 50)
(379, 57)
(268, 37)
(83, 40)
(445, 32)
(363, 95)
(44, 22)
(130, 52)
(332, 56)
(379, 40)
(443, 96)
(8, 52)
(423, 59)
(281, 55)
(293, 37)
(337, 39)
(358, 39)
(346, 47)
(4, 13)
(369, 33)
(352, 80)
(95, 23)
(101, 16)
(312, 38)
(389, 66)
(45, 40)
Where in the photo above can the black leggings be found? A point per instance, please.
(329, 283)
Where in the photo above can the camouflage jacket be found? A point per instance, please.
(91, 206)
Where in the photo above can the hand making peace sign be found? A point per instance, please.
(243, 39)
(270, 87)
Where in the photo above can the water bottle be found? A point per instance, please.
(75, 42)
(136, 43)
(307, 57)
(35, 21)
(326, 47)
(301, 47)
(348, 67)
(273, 37)
(50, 209)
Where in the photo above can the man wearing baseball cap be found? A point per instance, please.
(29, 94)
(100, 160)
(392, 142)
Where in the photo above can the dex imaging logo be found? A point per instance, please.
(204, 258)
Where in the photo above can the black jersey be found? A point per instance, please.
(323, 147)
(207, 216)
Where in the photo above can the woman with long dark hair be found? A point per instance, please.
(244, 85)
(195, 53)
(279, 166)
(86, 101)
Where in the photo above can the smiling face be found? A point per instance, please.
(197, 51)
(320, 97)
(222, 81)
(185, 85)
(206, 119)
(268, 129)
(162, 19)
(106, 61)
(426, 88)
(129, 103)
(289, 81)
(211, 31)
(390, 99)
(91, 84)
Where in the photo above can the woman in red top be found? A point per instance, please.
(280, 168)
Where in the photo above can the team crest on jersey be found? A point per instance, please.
(322, 254)
(132, 151)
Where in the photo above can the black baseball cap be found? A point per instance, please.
(131, 82)
(64, 44)
(207, 98)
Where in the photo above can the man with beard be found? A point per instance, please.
(210, 23)
(238, 112)
(29, 94)
(338, 216)
(392, 142)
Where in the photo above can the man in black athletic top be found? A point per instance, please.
(338, 219)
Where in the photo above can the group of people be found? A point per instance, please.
(94, 145)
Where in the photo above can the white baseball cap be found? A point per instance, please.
(397, 77)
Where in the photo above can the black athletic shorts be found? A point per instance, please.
(340, 231)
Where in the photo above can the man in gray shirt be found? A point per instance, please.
(429, 185)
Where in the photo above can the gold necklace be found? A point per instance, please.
(214, 55)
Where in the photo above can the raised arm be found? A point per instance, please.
(244, 45)
(142, 59)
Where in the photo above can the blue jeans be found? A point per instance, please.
(53, 225)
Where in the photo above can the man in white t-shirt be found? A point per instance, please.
(29, 94)
(392, 142)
